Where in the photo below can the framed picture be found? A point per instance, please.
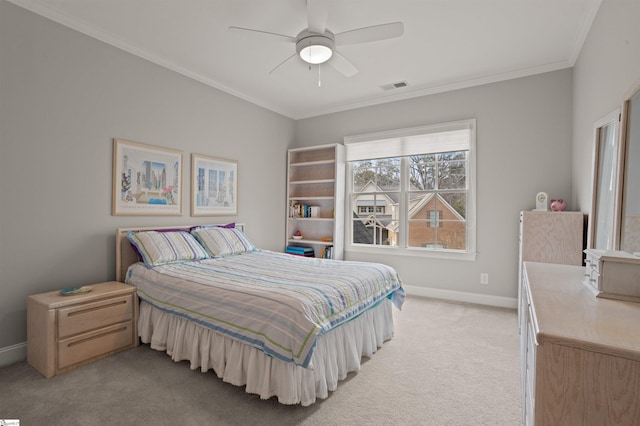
(147, 180)
(214, 186)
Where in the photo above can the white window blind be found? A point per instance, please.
(447, 137)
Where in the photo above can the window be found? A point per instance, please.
(413, 190)
(370, 209)
(434, 218)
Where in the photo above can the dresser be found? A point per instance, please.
(581, 356)
(550, 237)
(65, 332)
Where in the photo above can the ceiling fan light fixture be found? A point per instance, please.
(315, 49)
(316, 54)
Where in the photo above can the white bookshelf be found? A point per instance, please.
(315, 178)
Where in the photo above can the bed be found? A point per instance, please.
(283, 326)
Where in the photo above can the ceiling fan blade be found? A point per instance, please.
(373, 33)
(281, 64)
(317, 13)
(342, 65)
(260, 32)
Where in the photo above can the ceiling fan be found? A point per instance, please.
(317, 45)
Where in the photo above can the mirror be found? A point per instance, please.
(602, 220)
(630, 202)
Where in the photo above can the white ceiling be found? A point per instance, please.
(447, 44)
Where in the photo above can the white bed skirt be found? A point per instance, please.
(337, 353)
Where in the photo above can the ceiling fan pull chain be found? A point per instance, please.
(319, 80)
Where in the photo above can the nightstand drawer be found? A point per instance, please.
(88, 345)
(89, 316)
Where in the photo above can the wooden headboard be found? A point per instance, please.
(127, 256)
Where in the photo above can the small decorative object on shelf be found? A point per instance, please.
(297, 235)
(542, 202)
(558, 205)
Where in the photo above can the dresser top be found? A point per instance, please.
(567, 312)
(54, 300)
(613, 256)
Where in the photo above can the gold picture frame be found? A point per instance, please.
(147, 180)
(214, 186)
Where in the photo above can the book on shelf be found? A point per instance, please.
(300, 251)
(303, 210)
(327, 252)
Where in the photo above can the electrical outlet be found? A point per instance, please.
(484, 278)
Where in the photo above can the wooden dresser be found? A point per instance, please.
(581, 354)
(65, 332)
(550, 237)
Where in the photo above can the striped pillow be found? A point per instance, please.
(219, 242)
(157, 248)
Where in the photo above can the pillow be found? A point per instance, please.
(219, 242)
(157, 230)
(159, 247)
(228, 225)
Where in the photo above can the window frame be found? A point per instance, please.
(360, 141)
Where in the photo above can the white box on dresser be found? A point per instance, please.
(613, 274)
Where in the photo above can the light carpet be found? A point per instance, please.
(448, 364)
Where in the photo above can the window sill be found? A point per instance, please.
(413, 252)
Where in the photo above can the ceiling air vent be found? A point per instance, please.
(397, 85)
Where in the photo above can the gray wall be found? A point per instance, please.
(63, 98)
(607, 68)
(523, 145)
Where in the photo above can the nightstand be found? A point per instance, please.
(66, 332)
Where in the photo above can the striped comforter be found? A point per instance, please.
(273, 301)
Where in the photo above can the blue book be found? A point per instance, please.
(299, 250)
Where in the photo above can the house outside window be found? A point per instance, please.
(413, 190)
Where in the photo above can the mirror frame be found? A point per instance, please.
(624, 161)
(597, 176)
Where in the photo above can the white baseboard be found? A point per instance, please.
(12, 354)
(460, 296)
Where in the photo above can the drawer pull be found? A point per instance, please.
(97, 308)
(97, 336)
